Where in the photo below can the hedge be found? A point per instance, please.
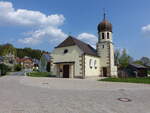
(4, 69)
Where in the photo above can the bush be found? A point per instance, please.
(48, 67)
(40, 74)
(4, 69)
(17, 67)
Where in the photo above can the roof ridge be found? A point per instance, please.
(81, 41)
(86, 48)
(72, 38)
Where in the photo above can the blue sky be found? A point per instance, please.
(42, 24)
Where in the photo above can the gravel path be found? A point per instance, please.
(20, 94)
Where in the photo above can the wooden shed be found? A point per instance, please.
(137, 70)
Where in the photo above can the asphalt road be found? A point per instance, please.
(20, 94)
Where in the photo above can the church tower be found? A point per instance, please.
(105, 49)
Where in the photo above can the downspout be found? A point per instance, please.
(83, 65)
(110, 59)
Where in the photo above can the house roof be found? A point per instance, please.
(148, 65)
(137, 65)
(1, 58)
(36, 61)
(86, 48)
(23, 59)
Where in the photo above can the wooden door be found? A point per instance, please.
(104, 72)
(66, 71)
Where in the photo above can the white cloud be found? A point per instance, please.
(27, 17)
(146, 30)
(46, 27)
(89, 38)
(53, 34)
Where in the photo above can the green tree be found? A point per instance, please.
(138, 62)
(117, 56)
(122, 59)
(4, 69)
(32, 53)
(17, 67)
(145, 60)
(6, 49)
(20, 52)
(125, 59)
(48, 67)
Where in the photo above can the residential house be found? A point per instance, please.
(1, 60)
(25, 62)
(134, 70)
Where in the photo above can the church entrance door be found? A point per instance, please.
(66, 71)
(104, 72)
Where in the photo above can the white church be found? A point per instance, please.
(75, 59)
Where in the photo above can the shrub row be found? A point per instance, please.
(4, 69)
(17, 67)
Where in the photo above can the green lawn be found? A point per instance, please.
(40, 74)
(129, 80)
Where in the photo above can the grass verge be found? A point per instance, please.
(40, 74)
(149, 72)
(128, 80)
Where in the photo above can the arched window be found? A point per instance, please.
(95, 64)
(108, 36)
(103, 46)
(103, 36)
(90, 63)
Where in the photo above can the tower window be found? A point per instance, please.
(103, 46)
(107, 35)
(103, 36)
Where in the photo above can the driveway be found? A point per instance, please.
(20, 94)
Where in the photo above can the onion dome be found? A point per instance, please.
(105, 25)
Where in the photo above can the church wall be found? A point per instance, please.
(112, 55)
(112, 62)
(74, 55)
(92, 68)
